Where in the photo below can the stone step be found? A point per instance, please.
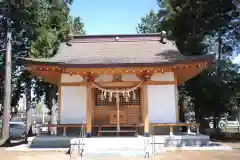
(117, 143)
(123, 148)
(123, 152)
(49, 142)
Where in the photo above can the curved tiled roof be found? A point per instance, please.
(117, 50)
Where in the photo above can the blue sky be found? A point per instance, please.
(112, 16)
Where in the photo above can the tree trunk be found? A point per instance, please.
(218, 76)
(28, 106)
(7, 84)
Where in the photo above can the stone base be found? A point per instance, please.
(49, 142)
(136, 144)
(88, 135)
(146, 134)
(186, 140)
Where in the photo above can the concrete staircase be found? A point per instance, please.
(99, 146)
(119, 146)
(116, 146)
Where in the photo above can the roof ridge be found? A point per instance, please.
(112, 40)
(159, 36)
(117, 35)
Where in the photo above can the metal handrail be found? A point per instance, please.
(79, 142)
(152, 134)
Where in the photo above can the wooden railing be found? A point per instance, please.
(79, 142)
(64, 126)
(172, 125)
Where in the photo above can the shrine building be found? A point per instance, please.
(118, 80)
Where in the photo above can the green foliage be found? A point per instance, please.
(149, 23)
(37, 31)
(188, 22)
(195, 26)
(76, 26)
(209, 91)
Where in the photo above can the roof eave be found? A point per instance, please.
(206, 58)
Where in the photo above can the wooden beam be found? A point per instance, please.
(74, 83)
(183, 74)
(183, 71)
(118, 84)
(124, 70)
(52, 77)
(160, 82)
(89, 110)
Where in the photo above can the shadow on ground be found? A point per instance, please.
(13, 143)
(226, 137)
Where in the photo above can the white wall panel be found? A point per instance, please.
(162, 103)
(73, 104)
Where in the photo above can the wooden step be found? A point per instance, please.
(113, 129)
(126, 131)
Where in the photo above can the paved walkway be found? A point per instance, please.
(176, 155)
(233, 145)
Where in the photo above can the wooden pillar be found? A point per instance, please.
(59, 102)
(89, 110)
(144, 97)
(176, 102)
(176, 96)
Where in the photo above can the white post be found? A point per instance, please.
(189, 130)
(197, 127)
(64, 131)
(171, 131)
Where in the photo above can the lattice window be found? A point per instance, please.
(106, 102)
